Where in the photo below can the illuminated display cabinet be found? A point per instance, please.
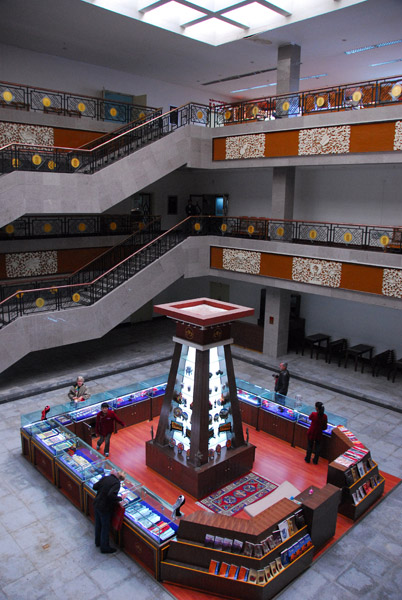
(199, 444)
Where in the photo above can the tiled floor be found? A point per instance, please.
(46, 545)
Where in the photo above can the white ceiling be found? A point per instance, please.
(79, 31)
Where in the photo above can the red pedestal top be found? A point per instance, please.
(203, 311)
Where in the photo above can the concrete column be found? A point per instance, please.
(283, 191)
(276, 326)
(288, 69)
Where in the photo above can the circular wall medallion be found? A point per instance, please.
(200, 115)
(39, 302)
(357, 96)
(197, 226)
(250, 229)
(20, 294)
(280, 231)
(76, 297)
(217, 334)
(51, 165)
(36, 159)
(16, 163)
(10, 228)
(384, 240)
(113, 112)
(312, 234)
(320, 101)
(81, 107)
(396, 90)
(7, 96)
(285, 105)
(82, 227)
(227, 115)
(113, 226)
(224, 227)
(54, 291)
(46, 101)
(47, 228)
(347, 237)
(75, 163)
(254, 110)
(142, 115)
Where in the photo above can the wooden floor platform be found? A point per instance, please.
(274, 459)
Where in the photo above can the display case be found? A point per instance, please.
(48, 439)
(249, 396)
(276, 418)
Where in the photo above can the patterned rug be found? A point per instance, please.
(232, 498)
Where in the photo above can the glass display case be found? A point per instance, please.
(151, 514)
(53, 437)
(78, 458)
(281, 406)
(333, 420)
(248, 392)
(220, 417)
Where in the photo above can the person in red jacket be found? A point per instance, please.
(105, 423)
(319, 422)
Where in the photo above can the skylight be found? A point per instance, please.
(217, 22)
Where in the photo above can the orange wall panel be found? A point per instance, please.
(282, 143)
(216, 258)
(73, 138)
(276, 265)
(361, 278)
(372, 137)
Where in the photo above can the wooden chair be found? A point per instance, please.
(337, 348)
(384, 360)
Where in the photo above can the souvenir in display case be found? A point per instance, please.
(249, 396)
(220, 419)
(279, 405)
(54, 438)
(151, 514)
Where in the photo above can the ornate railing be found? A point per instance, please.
(14, 95)
(51, 159)
(50, 226)
(100, 277)
(368, 94)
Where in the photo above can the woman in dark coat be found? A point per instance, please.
(319, 422)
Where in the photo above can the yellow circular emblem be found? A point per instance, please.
(141, 115)
(113, 226)
(396, 90)
(254, 111)
(357, 96)
(20, 294)
(217, 334)
(76, 297)
(10, 228)
(320, 101)
(47, 228)
(285, 105)
(75, 163)
(200, 114)
(54, 291)
(16, 163)
(227, 115)
(36, 159)
(197, 226)
(188, 333)
(51, 165)
(384, 240)
(7, 96)
(82, 227)
(81, 107)
(280, 231)
(312, 234)
(39, 302)
(113, 112)
(46, 101)
(224, 227)
(348, 237)
(250, 229)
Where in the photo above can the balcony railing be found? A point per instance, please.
(100, 277)
(14, 95)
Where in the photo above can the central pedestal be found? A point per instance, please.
(200, 481)
(199, 445)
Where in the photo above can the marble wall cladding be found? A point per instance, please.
(14, 133)
(324, 140)
(30, 264)
(392, 283)
(242, 261)
(398, 136)
(317, 272)
(245, 146)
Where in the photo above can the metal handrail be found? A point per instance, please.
(87, 292)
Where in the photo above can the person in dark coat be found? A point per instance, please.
(319, 422)
(282, 380)
(105, 420)
(107, 495)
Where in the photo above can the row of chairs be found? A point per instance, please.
(384, 362)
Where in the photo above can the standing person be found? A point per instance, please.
(107, 495)
(79, 391)
(105, 420)
(282, 380)
(319, 422)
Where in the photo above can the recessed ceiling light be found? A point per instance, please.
(373, 46)
(387, 62)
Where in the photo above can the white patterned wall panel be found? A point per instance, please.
(392, 283)
(317, 272)
(242, 261)
(398, 136)
(245, 146)
(13, 133)
(31, 264)
(324, 140)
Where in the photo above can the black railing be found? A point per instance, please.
(51, 159)
(23, 97)
(50, 226)
(98, 278)
(368, 94)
